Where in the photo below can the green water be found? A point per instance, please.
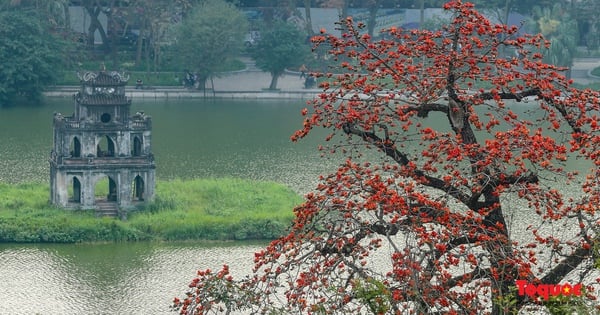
(134, 278)
(191, 138)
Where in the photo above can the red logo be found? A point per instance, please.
(547, 290)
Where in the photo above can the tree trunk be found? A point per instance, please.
(506, 11)
(422, 14)
(147, 53)
(112, 30)
(91, 28)
(202, 79)
(156, 60)
(372, 17)
(67, 16)
(307, 19)
(343, 15)
(140, 42)
(96, 25)
(274, 79)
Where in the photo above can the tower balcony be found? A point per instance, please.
(63, 123)
(103, 162)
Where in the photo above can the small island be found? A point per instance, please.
(197, 209)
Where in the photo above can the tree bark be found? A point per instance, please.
(67, 16)
(140, 42)
(307, 19)
(372, 16)
(274, 79)
(93, 12)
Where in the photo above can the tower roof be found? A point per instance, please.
(103, 78)
(101, 99)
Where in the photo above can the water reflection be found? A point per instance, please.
(137, 278)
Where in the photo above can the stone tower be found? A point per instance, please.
(102, 156)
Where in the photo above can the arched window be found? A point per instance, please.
(138, 189)
(106, 147)
(75, 147)
(137, 146)
(75, 191)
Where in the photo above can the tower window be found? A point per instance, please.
(105, 118)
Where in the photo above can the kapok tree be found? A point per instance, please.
(465, 171)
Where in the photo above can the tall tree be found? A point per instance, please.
(54, 13)
(308, 18)
(282, 45)
(450, 198)
(93, 8)
(585, 12)
(556, 24)
(373, 6)
(116, 12)
(154, 19)
(341, 5)
(30, 56)
(210, 36)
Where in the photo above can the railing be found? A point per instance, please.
(66, 122)
(70, 123)
(110, 160)
(140, 124)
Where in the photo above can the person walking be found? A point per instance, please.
(303, 71)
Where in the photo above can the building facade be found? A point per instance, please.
(102, 156)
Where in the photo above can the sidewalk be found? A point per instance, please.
(253, 83)
(255, 80)
(581, 70)
(249, 83)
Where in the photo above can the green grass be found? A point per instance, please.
(201, 209)
(217, 209)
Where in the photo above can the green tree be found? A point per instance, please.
(30, 56)
(282, 45)
(308, 18)
(154, 19)
(209, 37)
(561, 30)
(585, 12)
(54, 12)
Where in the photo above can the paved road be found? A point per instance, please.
(582, 67)
(252, 79)
(255, 80)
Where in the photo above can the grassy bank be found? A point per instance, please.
(207, 209)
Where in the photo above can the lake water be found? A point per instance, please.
(191, 138)
(132, 278)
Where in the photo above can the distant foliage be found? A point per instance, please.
(30, 56)
(557, 26)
